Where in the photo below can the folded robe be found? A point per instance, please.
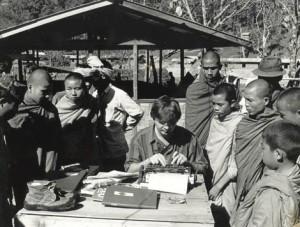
(199, 107)
(79, 122)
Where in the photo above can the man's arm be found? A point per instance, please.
(134, 111)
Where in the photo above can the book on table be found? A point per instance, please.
(130, 197)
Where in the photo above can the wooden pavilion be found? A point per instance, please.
(113, 25)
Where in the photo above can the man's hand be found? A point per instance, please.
(214, 192)
(178, 158)
(158, 158)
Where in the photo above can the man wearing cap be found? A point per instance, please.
(199, 108)
(270, 70)
(119, 113)
(11, 95)
(35, 136)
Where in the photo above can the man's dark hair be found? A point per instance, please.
(285, 136)
(228, 90)
(166, 109)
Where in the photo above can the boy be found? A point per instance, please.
(288, 105)
(11, 95)
(78, 115)
(219, 148)
(273, 200)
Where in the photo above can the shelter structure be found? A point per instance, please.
(113, 24)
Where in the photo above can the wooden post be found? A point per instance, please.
(99, 54)
(135, 72)
(181, 64)
(77, 57)
(37, 58)
(20, 69)
(153, 70)
(33, 55)
(146, 79)
(27, 53)
(160, 66)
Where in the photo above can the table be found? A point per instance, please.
(196, 212)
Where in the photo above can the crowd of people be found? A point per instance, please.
(248, 158)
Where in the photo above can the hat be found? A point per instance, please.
(94, 62)
(8, 86)
(269, 67)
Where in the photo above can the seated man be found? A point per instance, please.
(78, 115)
(165, 142)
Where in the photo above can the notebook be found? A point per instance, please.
(122, 196)
(71, 183)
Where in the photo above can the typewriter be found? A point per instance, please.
(145, 172)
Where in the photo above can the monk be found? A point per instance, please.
(248, 137)
(78, 111)
(288, 105)
(35, 136)
(199, 108)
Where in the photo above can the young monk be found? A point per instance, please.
(78, 115)
(11, 95)
(219, 149)
(273, 201)
(35, 138)
(248, 138)
(288, 105)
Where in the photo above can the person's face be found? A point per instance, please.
(166, 129)
(211, 69)
(74, 90)
(286, 114)
(39, 92)
(221, 106)
(254, 103)
(8, 109)
(269, 156)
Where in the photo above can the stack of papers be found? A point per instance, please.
(169, 182)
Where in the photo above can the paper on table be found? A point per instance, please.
(169, 182)
(114, 174)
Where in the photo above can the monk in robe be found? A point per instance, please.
(248, 137)
(199, 108)
(34, 139)
(78, 111)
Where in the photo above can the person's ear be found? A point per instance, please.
(298, 113)
(2, 101)
(279, 154)
(29, 88)
(266, 101)
(233, 103)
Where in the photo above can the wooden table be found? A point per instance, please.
(196, 212)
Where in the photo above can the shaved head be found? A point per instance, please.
(291, 97)
(260, 87)
(39, 76)
(211, 59)
(257, 97)
(39, 86)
